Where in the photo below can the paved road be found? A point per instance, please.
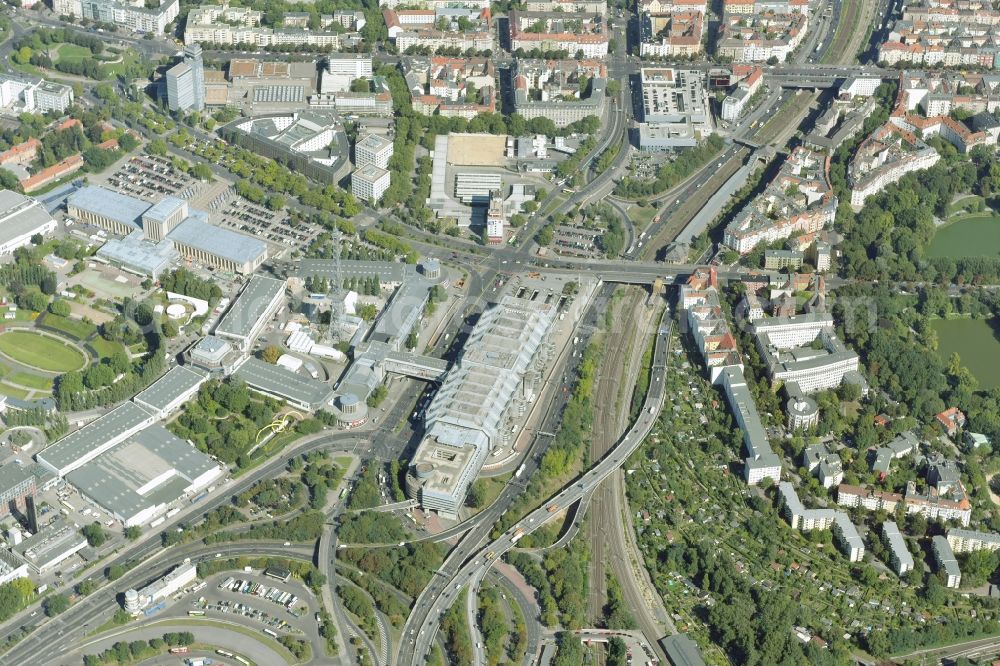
(70, 625)
(439, 595)
(49, 643)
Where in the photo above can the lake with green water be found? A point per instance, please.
(977, 343)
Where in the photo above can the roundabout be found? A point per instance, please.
(42, 351)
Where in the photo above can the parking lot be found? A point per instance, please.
(152, 177)
(273, 226)
(283, 607)
(576, 241)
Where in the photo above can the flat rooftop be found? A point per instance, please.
(137, 253)
(385, 271)
(150, 468)
(50, 542)
(112, 425)
(444, 463)
(12, 476)
(196, 232)
(280, 381)
(179, 380)
(108, 203)
(250, 306)
(410, 296)
(20, 215)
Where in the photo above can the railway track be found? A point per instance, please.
(609, 550)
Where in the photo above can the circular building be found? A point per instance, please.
(803, 412)
(350, 410)
(431, 268)
(132, 605)
(176, 311)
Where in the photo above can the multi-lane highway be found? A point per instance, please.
(80, 618)
(445, 587)
(50, 643)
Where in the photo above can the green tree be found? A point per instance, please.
(271, 354)
(55, 604)
(95, 534)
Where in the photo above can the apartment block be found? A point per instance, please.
(222, 24)
(671, 35)
(968, 541)
(900, 558)
(799, 199)
(559, 31)
(936, 93)
(442, 27)
(564, 91)
(884, 158)
(699, 298)
(946, 562)
(929, 504)
(571, 6)
(137, 18)
(758, 37)
(943, 33)
(827, 466)
(847, 538)
(845, 533)
(451, 87)
(20, 93)
(734, 104)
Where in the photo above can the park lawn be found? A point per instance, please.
(977, 342)
(13, 391)
(493, 485)
(31, 381)
(961, 204)
(972, 236)
(72, 53)
(74, 328)
(42, 352)
(641, 215)
(128, 58)
(106, 348)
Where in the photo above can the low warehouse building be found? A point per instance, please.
(251, 311)
(21, 218)
(171, 390)
(138, 479)
(297, 390)
(52, 545)
(78, 448)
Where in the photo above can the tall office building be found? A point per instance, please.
(192, 56)
(186, 82)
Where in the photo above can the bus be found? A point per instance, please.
(179, 650)
(196, 613)
(271, 633)
(223, 653)
(241, 660)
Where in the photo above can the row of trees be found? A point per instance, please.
(128, 652)
(306, 526)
